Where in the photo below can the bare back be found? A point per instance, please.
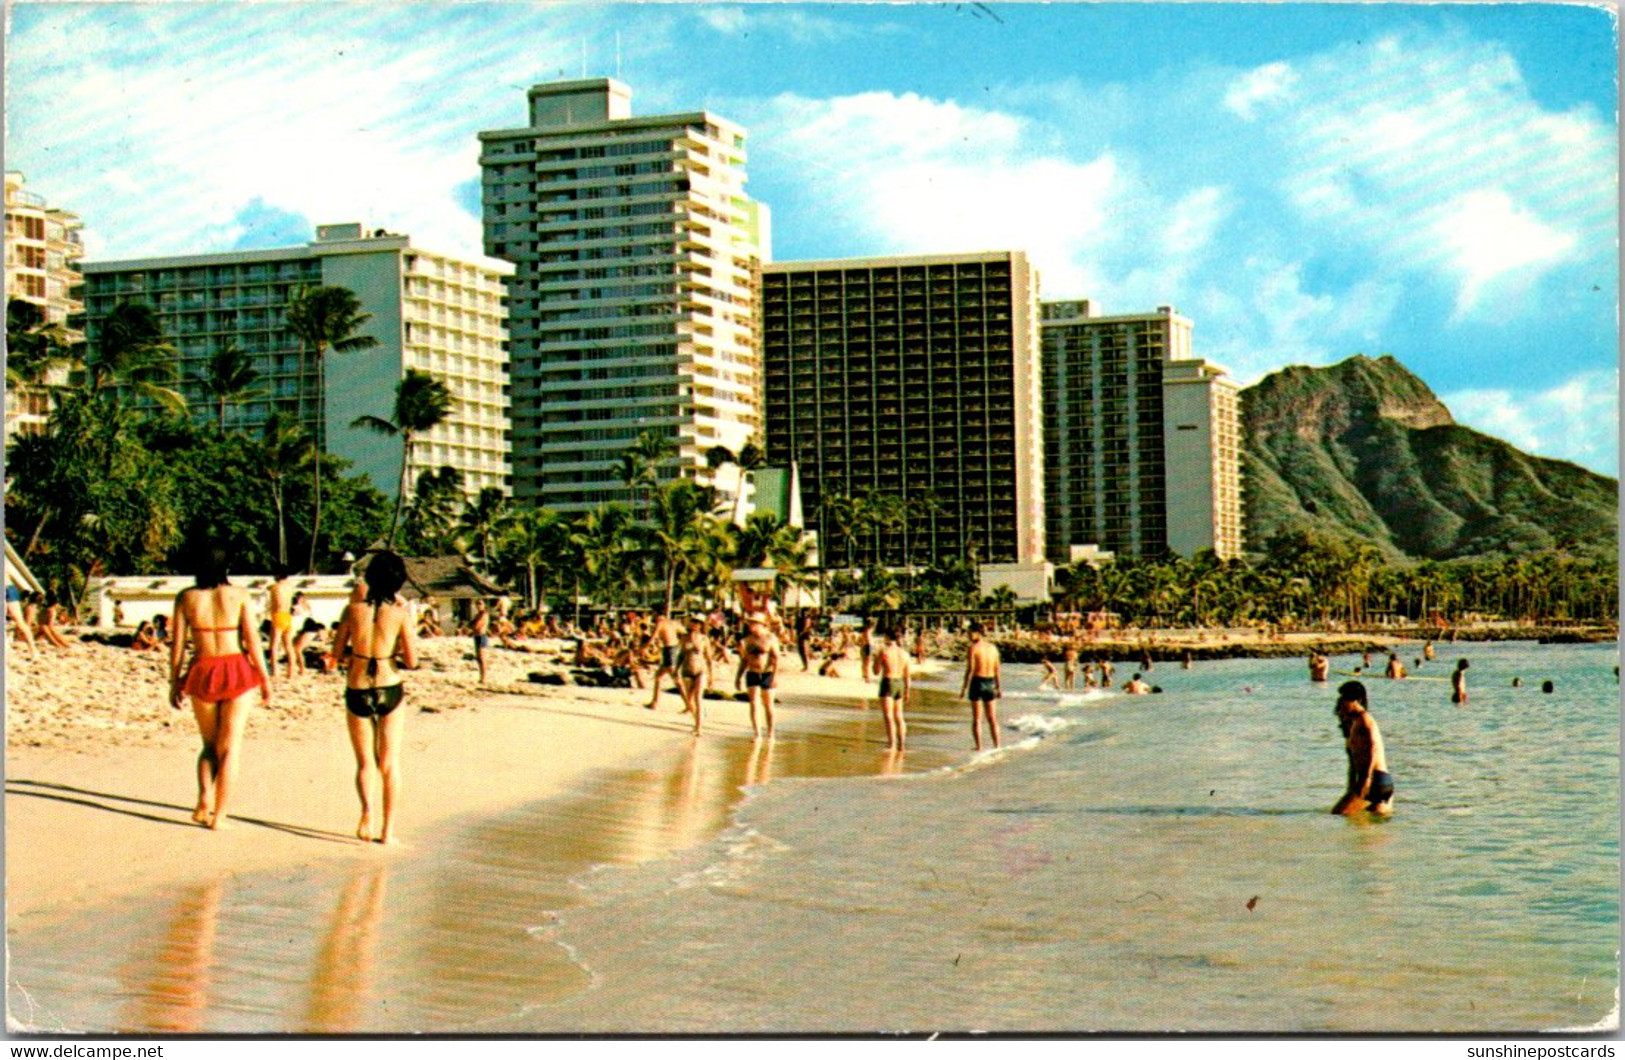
(892, 662)
(217, 618)
(376, 635)
(983, 660)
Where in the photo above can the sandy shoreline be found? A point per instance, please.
(100, 783)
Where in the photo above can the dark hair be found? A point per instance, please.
(1353, 692)
(209, 563)
(1462, 665)
(385, 576)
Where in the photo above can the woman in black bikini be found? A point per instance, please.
(375, 631)
(221, 678)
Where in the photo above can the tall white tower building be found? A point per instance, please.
(631, 308)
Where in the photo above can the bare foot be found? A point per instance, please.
(201, 814)
(219, 822)
(363, 830)
(388, 840)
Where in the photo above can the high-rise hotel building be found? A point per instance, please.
(632, 302)
(1141, 440)
(916, 377)
(439, 314)
(42, 255)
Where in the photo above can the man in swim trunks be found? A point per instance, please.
(891, 666)
(280, 604)
(981, 685)
(1396, 669)
(758, 667)
(1370, 787)
(481, 629)
(664, 636)
(866, 646)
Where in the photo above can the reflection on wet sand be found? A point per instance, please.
(168, 990)
(468, 939)
(342, 977)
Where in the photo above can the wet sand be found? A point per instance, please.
(122, 915)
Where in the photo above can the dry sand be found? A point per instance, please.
(100, 776)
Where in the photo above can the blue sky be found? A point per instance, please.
(1306, 182)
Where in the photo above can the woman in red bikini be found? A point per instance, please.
(224, 674)
(374, 633)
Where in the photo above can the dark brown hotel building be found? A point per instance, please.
(913, 376)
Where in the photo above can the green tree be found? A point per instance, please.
(483, 521)
(230, 379)
(130, 350)
(322, 319)
(422, 403)
(431, 521)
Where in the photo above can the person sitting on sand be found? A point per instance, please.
(981, 685)
(225, 671)
(1370, 787)
(758, 669)
(832, 656)
(373, 635)
(624, 665)
(1458, 683)
(891, 666)
(1319, 666)
(45, 628)
(1396, 669)
(694, 667)
(144, 638)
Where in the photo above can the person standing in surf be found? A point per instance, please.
(981, 685)
(891, 666)
(1370, 787)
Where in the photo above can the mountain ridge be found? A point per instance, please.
(1364, 449)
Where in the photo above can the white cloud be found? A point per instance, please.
(906, 174)
(1270, 83)
(1576, 420)
(1432, 155)
(729, 20)
(1490, 237)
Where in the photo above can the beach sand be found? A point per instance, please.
(109, 881)
(100, 769)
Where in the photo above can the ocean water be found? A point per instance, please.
(1123, 863)
(1153, 863)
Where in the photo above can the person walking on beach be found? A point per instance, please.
(1051, 678)
(20, 625)
(981, 685)
(891, 666)
(280, 604)
(374, 633)
(866, 647)
(1458, 683)
(481, 630)
(1370, 787)
(804, 632)
(1319, 666)
(225, 670)
(664, 636)
(694, 667)
(758, 666)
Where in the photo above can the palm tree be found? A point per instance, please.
(747, 460)
(131, 349)
(538, 539)
(432, 518)
(611, 552)
(230, 379)
(483, 519)
(422, 403)
(638, 464)
(287, 448)
(33, 346)
(681, 535)
(324, 318)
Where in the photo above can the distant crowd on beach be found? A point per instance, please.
(223, 658)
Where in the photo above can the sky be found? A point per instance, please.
(1306, 182)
